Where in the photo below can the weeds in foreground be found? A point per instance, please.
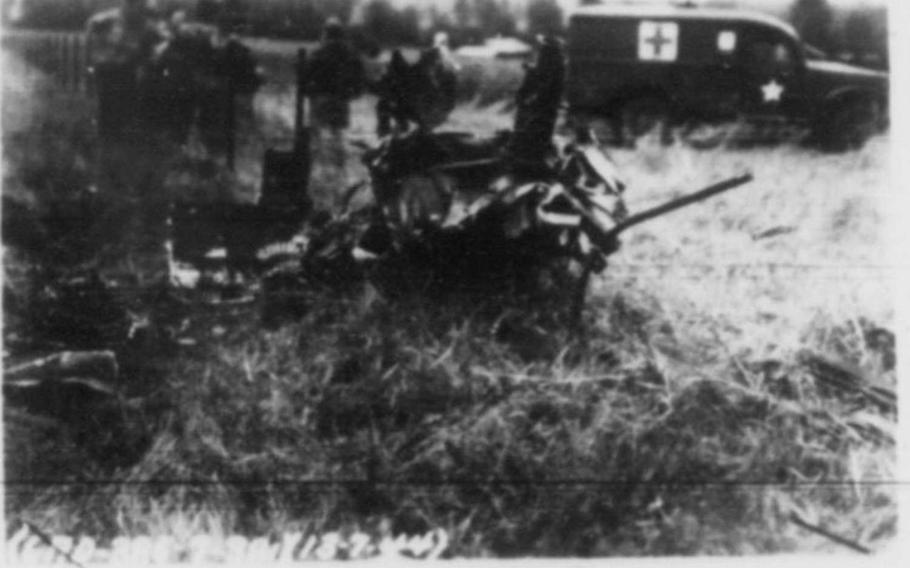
(700, 406)
(428, 416)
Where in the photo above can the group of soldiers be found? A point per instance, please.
(421, 94)
(159, 79)
(155, 77)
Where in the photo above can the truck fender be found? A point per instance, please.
(848, 94)
(844, 121)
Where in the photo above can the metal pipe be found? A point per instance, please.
(681, 202)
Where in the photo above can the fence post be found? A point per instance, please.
(61, 55)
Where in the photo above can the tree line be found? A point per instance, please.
(382, 20)
(857, 34)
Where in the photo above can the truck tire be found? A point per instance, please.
(646, 115)
(848, 126)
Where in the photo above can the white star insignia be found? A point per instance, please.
(772, 91)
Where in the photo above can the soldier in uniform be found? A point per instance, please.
(335, 76)
(438, 72)
(169, 89)
(121, 42)
(231, 80)
(423, 93)
(133, 158)
(537, 104)
(391, 92)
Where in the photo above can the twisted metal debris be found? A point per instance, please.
(464, 207)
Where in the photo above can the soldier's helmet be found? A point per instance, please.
(333, 30)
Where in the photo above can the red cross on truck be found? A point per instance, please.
(663, 66)
(654, 37)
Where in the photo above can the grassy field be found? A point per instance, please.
(717, 389)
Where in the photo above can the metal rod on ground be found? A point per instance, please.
(675, 204)
(831, 536)
(607, 238)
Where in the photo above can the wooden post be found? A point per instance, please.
(580, 292)
(286, 174)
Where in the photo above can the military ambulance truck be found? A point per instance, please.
(677, 65)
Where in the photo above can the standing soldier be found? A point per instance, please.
(423, 93)
(226, 108)
(537, 104)
(170, 86)
(132, 160)
(438, 74)
(335, 76)
(121, 42)
(391, 91)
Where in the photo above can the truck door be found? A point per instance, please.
(708, 80)
(770, 70)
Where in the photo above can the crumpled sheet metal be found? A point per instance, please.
(581, 195)
(570, 203)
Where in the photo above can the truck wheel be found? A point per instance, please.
(848, 126)
(644, 116)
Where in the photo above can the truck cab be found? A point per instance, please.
(675, 64)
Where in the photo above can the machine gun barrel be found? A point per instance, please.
(679, 203)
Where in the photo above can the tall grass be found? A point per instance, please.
(687, 415)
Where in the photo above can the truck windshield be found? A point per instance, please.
(769, 56)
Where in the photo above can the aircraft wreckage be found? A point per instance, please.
(467, 209)
(447, 209)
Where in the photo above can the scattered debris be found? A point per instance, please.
(773, 232)
(795, 518)
(847, 380)
(101, 365)
(449, 208)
